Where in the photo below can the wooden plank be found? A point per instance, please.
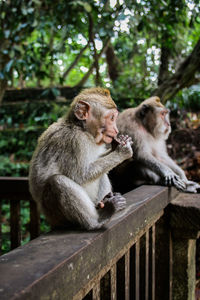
(137, 270)
(113, 282)
(153, 261)
(34, 220)
(121, 278)
(127, 275)
(147, 266)
(14, 186)
(53, 263)
(96, 292)
(15, 232)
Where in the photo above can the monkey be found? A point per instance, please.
(68, 170)
(149, 126)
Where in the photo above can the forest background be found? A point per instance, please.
(50, 50)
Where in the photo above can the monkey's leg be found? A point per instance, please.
(104, 187)
(68, 201)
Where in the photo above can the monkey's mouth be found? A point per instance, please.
(110, 136)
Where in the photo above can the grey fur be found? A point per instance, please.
(68, 177)
(151, 163)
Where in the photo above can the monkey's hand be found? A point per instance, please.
(112, 203)
(192, 187)
(171, 179)
(124, 146)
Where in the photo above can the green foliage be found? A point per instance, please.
(47, 36)
(24, 224)
(187, 99)
(22, 125)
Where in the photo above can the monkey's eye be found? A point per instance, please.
(112, 118)
(163, 113)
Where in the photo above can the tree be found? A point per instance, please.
(183, 77)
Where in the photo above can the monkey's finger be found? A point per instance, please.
(168, 181)
(179, 184)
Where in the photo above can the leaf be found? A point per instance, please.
(2, 76)
(7, 34)
(87, 7)
(9, 66)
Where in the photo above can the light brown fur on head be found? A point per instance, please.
(95, 95)
(155, 101)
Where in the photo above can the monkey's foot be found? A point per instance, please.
(192, 187)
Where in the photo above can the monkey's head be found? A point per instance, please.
(96, 112)
(155, 117)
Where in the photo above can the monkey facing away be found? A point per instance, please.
(149, 127)
(68, 171)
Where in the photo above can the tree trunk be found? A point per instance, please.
(184, 76)
(164, 62)
(3, 82)
(113, 63)
(3, 85)
(95, 54)
(74, 63)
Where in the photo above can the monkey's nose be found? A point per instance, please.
(116, 130)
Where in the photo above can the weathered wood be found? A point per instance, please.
(152, 263)
(14, 187)
(113, 282)
(34, 220)
(147, 266)
(14, 95)
(142, 268)
(51, 266)
(96, 292)
(137, 270)
(185, 225)
(185, 215)
(127, 275)
(15, 233)
(162, 259)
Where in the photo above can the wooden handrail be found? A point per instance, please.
(15, 189)
(136, 256)
(67, 264)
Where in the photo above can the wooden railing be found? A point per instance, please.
(145, 252)
(14, 190)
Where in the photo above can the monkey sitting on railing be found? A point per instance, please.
(149, 126)
(68, 171)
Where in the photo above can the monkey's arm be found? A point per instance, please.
(166, 174)
(102, 165)
(191, 186)
(174, 167)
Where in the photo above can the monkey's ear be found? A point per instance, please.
(144, 109)
(81, 110)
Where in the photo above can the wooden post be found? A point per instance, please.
(185, 226)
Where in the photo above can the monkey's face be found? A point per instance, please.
(106, 128)
(162, 126)
(98, 120)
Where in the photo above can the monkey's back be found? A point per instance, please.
(60, 151)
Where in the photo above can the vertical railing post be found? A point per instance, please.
(34, 220)
(15, 230)
(163, 259)
(184, 266)
(185, 226)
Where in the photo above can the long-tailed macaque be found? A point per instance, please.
(68, 171)
(149, 126)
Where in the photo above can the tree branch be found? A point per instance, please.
(87, 75)
(183, 77)
(74, 63)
